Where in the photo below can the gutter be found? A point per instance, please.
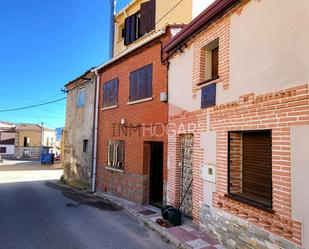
(130, 50)
(95, 135)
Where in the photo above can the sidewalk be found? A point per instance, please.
(185, 236)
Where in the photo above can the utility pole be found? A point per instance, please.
(112, 28)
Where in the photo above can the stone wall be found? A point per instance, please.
(34, 153)
(235, 232)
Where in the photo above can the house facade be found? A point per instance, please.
(133, 109)
(7, 140)
(239, 122)
(30, 138)
(77, 136)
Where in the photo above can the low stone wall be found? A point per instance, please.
(34, 153)
(238, 233)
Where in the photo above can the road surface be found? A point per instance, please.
(35, 214)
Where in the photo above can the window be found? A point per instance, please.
(81, 97)
(115, 157)
(110, 93)
(85, 145)
(211, 60)
(26, 141)
(250, 167)
(140, 23)
(141, 83)
(2, 149)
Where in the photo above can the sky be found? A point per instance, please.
(43, 45)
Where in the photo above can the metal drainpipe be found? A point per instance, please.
(94, 163)
(112, 28)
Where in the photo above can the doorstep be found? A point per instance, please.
(185, 236)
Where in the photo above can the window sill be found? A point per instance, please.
(139, 101)
(208, 82)
(250, 203)
(109, 107)
(113, 169)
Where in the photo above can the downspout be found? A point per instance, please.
(95, 135)
(112, 28)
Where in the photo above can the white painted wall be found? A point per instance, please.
(10, 149)
(268, 48)
(300, 176)
(180, 83)
(199, 6)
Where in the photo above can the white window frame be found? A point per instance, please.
(78, 104)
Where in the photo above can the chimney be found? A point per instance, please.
(112, 28)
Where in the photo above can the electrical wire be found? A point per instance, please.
(32, 106)
(169, 11)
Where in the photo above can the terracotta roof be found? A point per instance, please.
(32, 127)
(197, 24)
(86, 75)
(10, 141)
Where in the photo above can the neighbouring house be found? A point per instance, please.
(7, 140)
(77, 136)
(133, 109)
(30, 138)
(239, 122)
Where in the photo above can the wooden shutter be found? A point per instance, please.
(214, 62)
(148, 16)
(257, 166)
(127, 31)
(141, 83)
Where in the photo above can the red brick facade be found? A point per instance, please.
(133, 182)
(277, 111)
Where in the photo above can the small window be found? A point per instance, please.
(2, 149)
(85, 145)
(250, 167)
(115, 157)
(141, 83)
(110, 93)
(211, 51)
(81, 97)
(26, 141)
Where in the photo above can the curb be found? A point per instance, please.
(153, 226)
(169, 238)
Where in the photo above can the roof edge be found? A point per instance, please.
(209, 14)
(130, 50)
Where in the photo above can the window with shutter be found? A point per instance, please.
(141, 83)
(110, 93)
(250, 167)
(211, 55)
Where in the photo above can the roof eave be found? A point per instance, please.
(207, 16)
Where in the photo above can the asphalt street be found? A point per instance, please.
(34, 214)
